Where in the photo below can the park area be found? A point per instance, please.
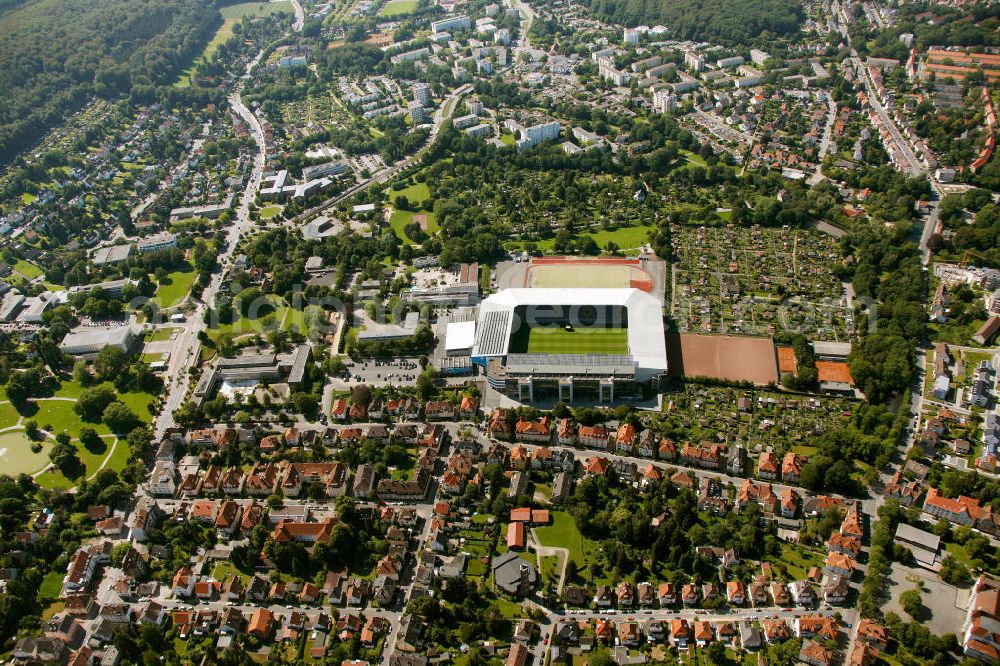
(55, 414)
(558, 340)
(231, 15)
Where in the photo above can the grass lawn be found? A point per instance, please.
(563, 533)
(415, 193)
(694, 158)
(550, 569)
(626, 238)
(400, 218)
(268, 212)
(578, 341)
(16, 455)
(959, 553)
(798, 560)
(224, 569)
(27, 198)
(399, 7)
(174, 288)
(484, 278)
(954, 333)
(508, 139)
(28, 269)
(51, 585)
(507, 608)
(60, 416)
(160, 334)
(261, 325)
(8, 415)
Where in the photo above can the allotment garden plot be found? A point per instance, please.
(758, 281)
(757, 419)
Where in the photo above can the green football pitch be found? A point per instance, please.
(577, 341)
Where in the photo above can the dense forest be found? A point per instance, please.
(726, 21)
(57, 54)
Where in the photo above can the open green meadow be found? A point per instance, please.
(175, 288)
(578, 341)
(401, 218)
(399, 7)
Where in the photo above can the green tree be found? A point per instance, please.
(427, 382)
(911, 602)
(111, 363)
(93, 401)
(119, 417)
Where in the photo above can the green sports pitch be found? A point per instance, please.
(578, 341)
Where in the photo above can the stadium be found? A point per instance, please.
(570, 343)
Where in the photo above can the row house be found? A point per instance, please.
(767, 466)
(594, 437)
(406, 434)
(851, 525)
(902, 490)
(566, 432)
(332, 476)
(760, 493)
(82, 566)
(791, 467)
(705, 455)
(841, 543)
(439, 410)
(626, 439)
(981, 629)
(499, 426)
(647, 444)
(836, 589)
(534, 431)
(667, 450)
(288, 531)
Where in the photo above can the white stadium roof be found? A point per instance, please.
(646, 340)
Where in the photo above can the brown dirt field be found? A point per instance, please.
(732, 358)
(421, 219)
(786, 360)
(834, 371)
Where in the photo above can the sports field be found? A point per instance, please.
(613, 273)
(578, 341)
(733, 358)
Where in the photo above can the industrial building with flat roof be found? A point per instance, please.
(85, 342)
